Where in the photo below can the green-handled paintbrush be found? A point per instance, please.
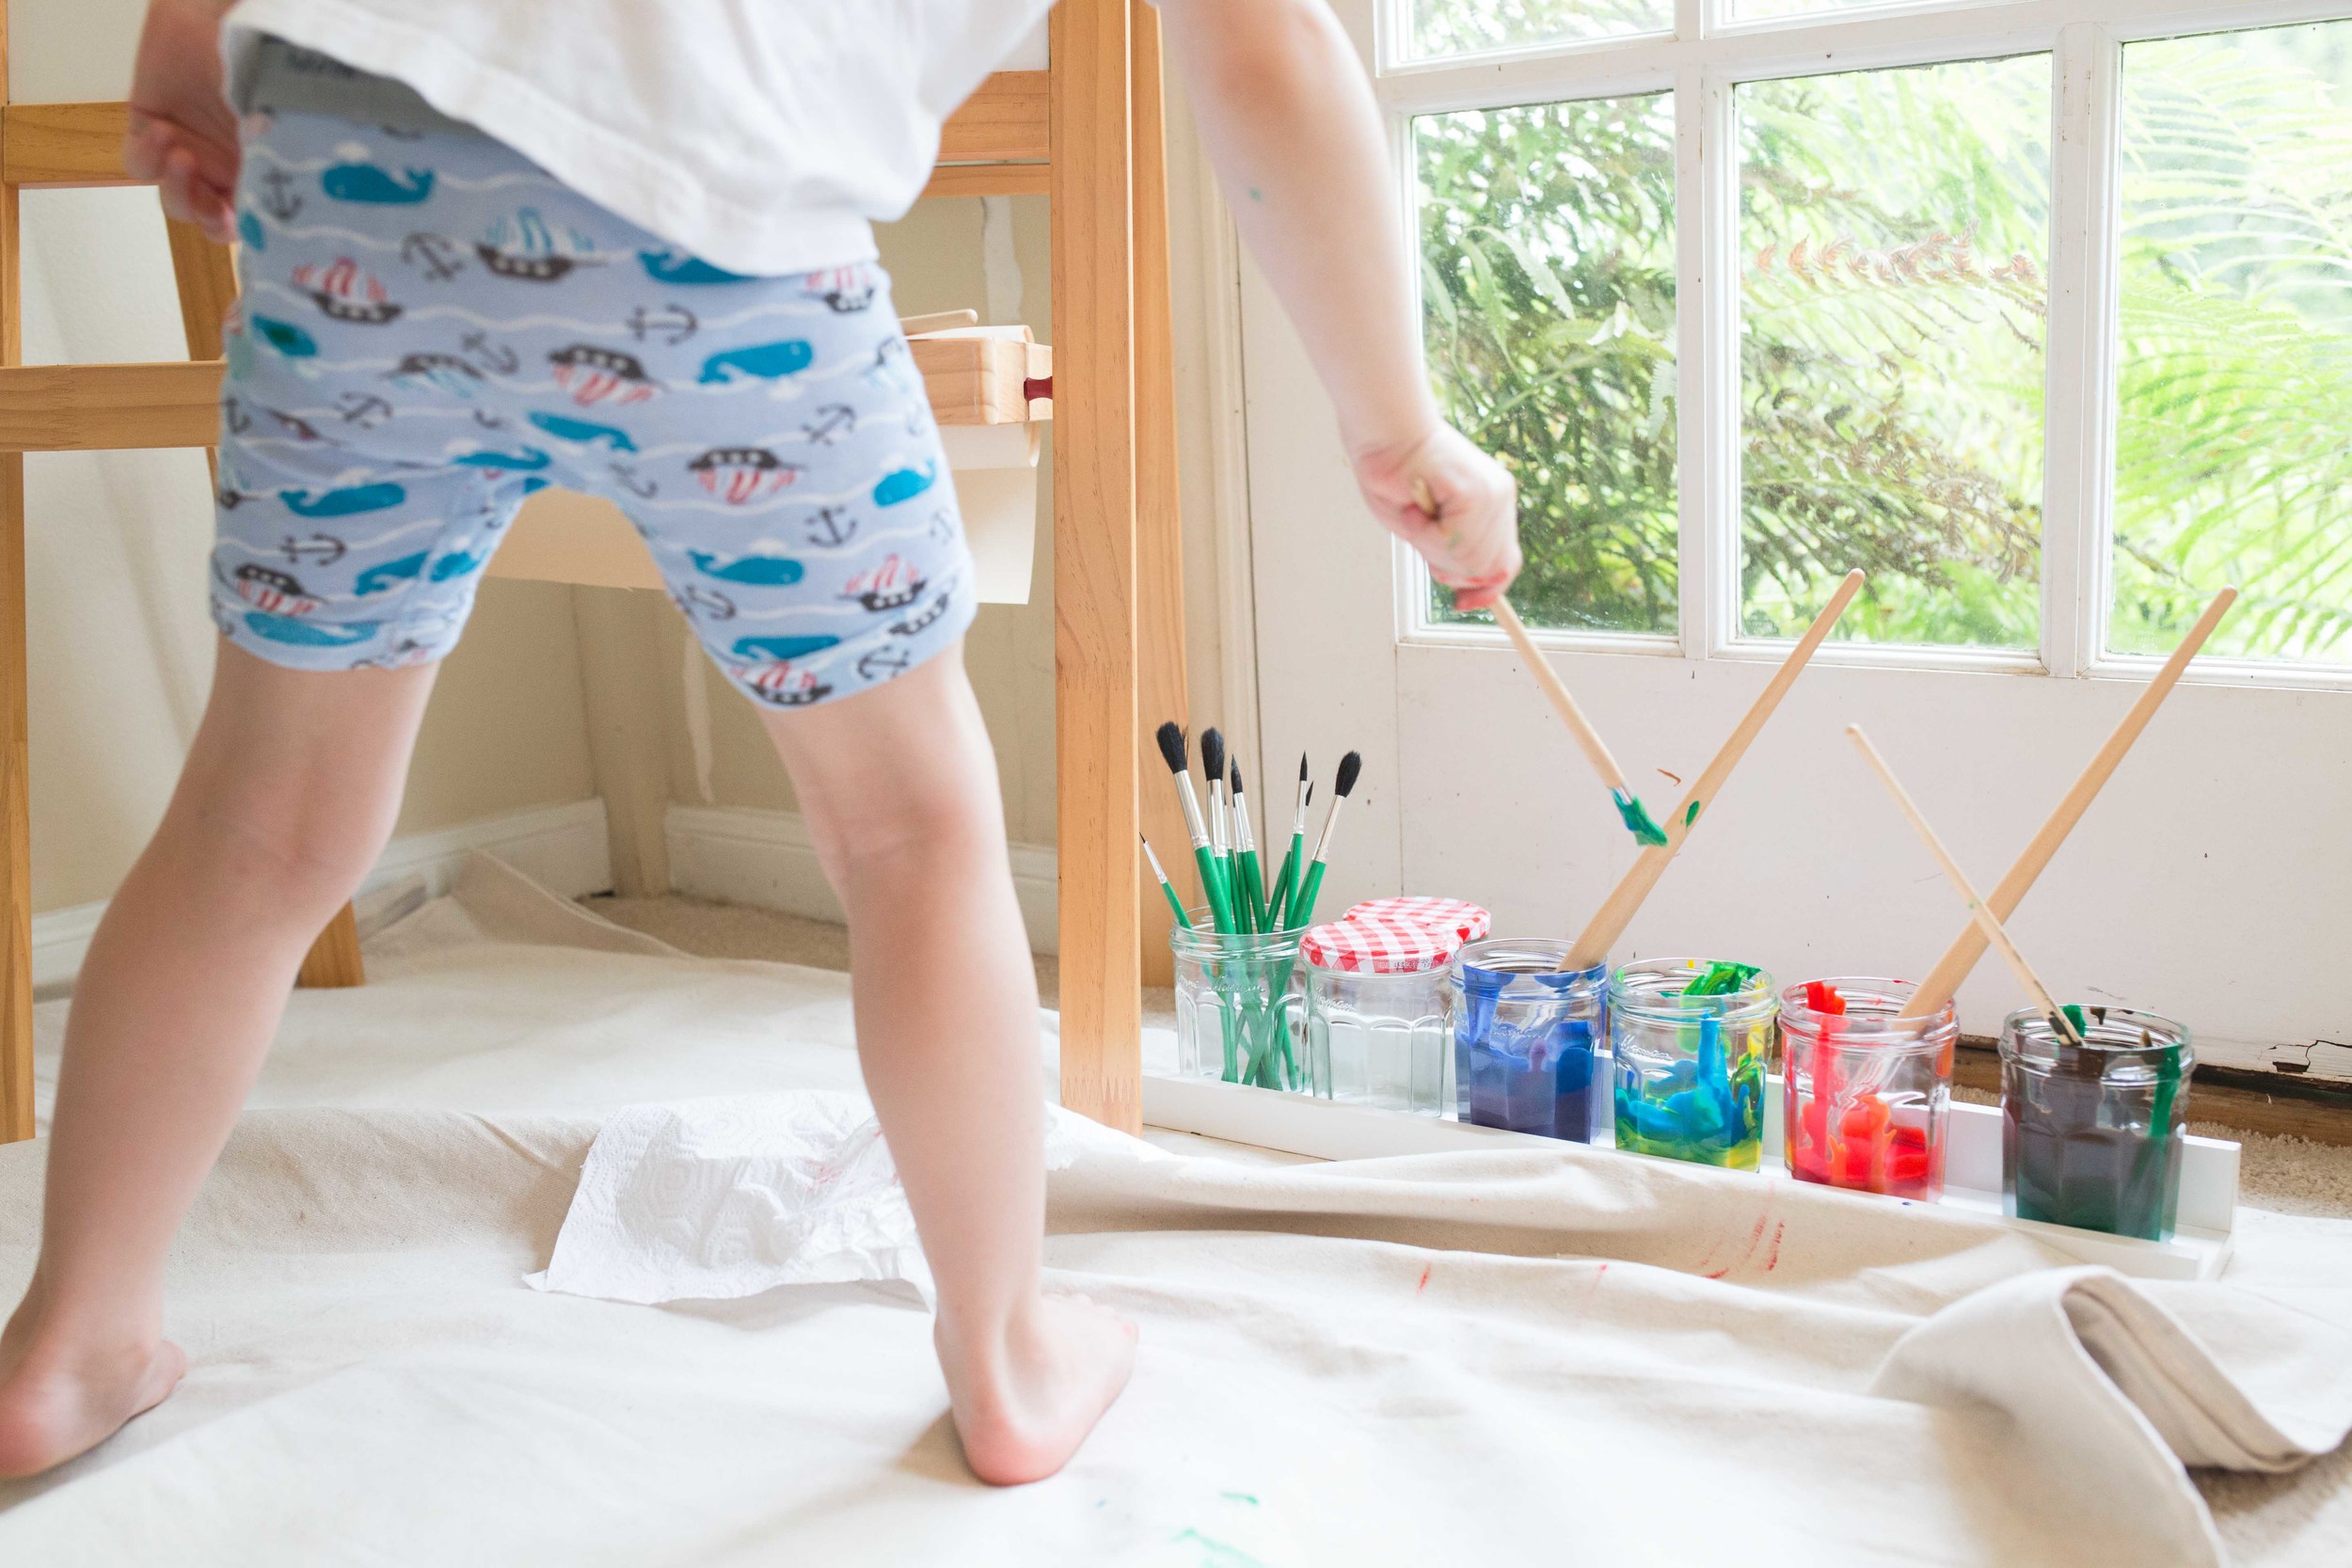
(1175, 905)
(1221, 828)
(1285, 893)
(1342, 785)
(1245, 857)
(1172, 749)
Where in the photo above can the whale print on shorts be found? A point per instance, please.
(448, 330)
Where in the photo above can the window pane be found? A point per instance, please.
(1894, 231)
(1763, 11)
(1548, 289)
(1466, 26)
(2235, 360)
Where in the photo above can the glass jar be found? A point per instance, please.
(2091, 1133)
(1526, 1032)
(1375, 1016)
(1689, 1069)
(1865, 1096)
(1237, 1006)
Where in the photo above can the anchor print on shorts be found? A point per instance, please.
(432, 329)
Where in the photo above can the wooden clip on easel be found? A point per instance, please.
(1087, 133)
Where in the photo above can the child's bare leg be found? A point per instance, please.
(290, 790)
(900, 787)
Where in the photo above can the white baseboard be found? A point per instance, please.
(563, 848)
(740, 855)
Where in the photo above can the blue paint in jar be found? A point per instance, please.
(1526, 1031)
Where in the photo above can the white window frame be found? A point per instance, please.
(1702, 61)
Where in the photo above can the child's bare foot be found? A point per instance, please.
(1024, 1406)
(54, 1406)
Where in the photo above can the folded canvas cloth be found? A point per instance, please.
(716, 1198)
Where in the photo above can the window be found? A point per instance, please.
(2051, 365)
(2235, 357)
(1547, 256)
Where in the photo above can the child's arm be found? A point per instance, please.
(1290, 123)
(183, 136)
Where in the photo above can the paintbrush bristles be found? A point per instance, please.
(1172, 739)
(1302, 767)
(1350, 766)
(1213, 755)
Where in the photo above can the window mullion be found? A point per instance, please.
(1707, 191)
(2079, 488)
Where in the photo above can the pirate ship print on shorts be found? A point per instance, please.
(466, 330)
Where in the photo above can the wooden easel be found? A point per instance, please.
(1087, 133)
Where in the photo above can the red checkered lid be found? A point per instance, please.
(1467, 920)
(1377, 946)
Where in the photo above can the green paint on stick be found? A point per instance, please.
(1637, 818)
(1691, 816)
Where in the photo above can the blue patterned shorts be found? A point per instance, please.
(431, 328)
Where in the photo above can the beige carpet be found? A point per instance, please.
(2290, 1176)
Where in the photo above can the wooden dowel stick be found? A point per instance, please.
(1944, 979)
(1983, 918)
(1617, 911)
(1563, 701)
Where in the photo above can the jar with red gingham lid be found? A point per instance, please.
(1468, 922)
(1376, 1012)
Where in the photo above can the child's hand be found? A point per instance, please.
(1453, 504)
(183, 135)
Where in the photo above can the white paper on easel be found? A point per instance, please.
(995, 469)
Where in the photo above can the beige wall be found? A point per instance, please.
(121, 646)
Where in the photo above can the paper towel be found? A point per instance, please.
(716, 1198)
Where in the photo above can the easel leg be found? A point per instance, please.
(1094, 563)
(1159, 525)
(334, 958)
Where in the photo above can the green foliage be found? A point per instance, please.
(2236, 366)
(1547, 249)
(1893, 312)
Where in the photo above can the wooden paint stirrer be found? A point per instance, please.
(1982, 918)
(1958, 960)
(1609, 923)
(1630, 807)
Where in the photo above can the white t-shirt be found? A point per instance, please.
(763, 135)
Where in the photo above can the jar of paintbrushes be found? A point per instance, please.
(1238, 996)
(1238, 978)
(1691, 1040)
(2092, 1129)
(1866, 1093)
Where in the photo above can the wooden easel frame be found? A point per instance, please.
(1088, 133)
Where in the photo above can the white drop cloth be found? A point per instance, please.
(1490, 1357)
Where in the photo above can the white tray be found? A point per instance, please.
(1299, 1124)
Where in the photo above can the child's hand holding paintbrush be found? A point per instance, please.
(1455, 505)
(1630, 811)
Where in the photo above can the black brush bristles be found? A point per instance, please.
(1350, 766)
(1302, 767)
(1171, 740)
(1213, 755)
(1236, 779)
